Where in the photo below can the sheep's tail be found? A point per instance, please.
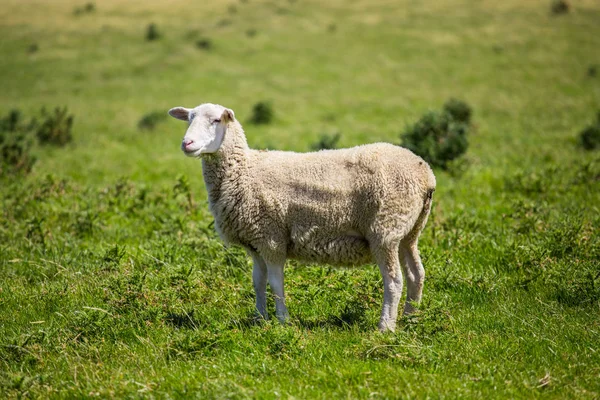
(431, 183)
(413, 236)
(414, 233)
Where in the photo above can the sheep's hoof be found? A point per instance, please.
(259, 318)
(283, 319)
(387, 326)
(409, 309)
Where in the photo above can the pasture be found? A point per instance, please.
(114, 284)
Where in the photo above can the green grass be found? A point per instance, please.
(113, 282)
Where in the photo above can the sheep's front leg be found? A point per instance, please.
(259, 279)
(275, 276)
(389, 265)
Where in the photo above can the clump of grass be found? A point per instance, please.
(149, 121)
(251, 32)
(326, 141)
(459, 110)
(204, 44)
(262, 113)
(232, 9)
(88, 8)
(152, 32)
(55, 128)
(183, 187)
(560, 7)
(440, 137)
(15, 144)
(112, 257)
(589, 138)
(33, 48)
(592, 71)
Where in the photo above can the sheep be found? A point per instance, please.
(342, 207)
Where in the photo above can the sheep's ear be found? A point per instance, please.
(227, 115)
(181, 113)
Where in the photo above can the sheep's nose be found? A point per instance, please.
(186, 143)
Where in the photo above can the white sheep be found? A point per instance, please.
(342, 207)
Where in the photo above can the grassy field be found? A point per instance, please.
(113, 282)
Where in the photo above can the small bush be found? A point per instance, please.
(152, 32)
(589, 138)
(55, 128)
(15, 157)
(459, 110)
(15, 144)
(11, 123)
(262, 113)
(438, 138)
(326, 141)
(86, 9)
(560, 7)
(149, 121)
(204, 44)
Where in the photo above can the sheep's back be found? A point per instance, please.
(338, 187)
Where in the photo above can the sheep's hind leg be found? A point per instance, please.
(415, 276)
(389, 265)
(275, 276)
(259, 279)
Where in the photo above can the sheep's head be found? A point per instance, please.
(206, 129)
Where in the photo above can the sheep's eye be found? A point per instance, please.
(216, 121)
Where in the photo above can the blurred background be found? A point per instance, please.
(362, 69)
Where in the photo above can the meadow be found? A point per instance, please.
(114, 284)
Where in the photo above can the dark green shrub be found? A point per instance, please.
(149, 121)
(262, 113)
(560, 7)
(438, 138)
(12, 122)
(86, 9)
(15, 157)
(15, 144)
(152, 32)
(589, 138)
(459, 110)
(55, 128)
(204, 44)
(326, 141)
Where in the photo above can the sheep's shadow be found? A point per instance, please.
(336, 322)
